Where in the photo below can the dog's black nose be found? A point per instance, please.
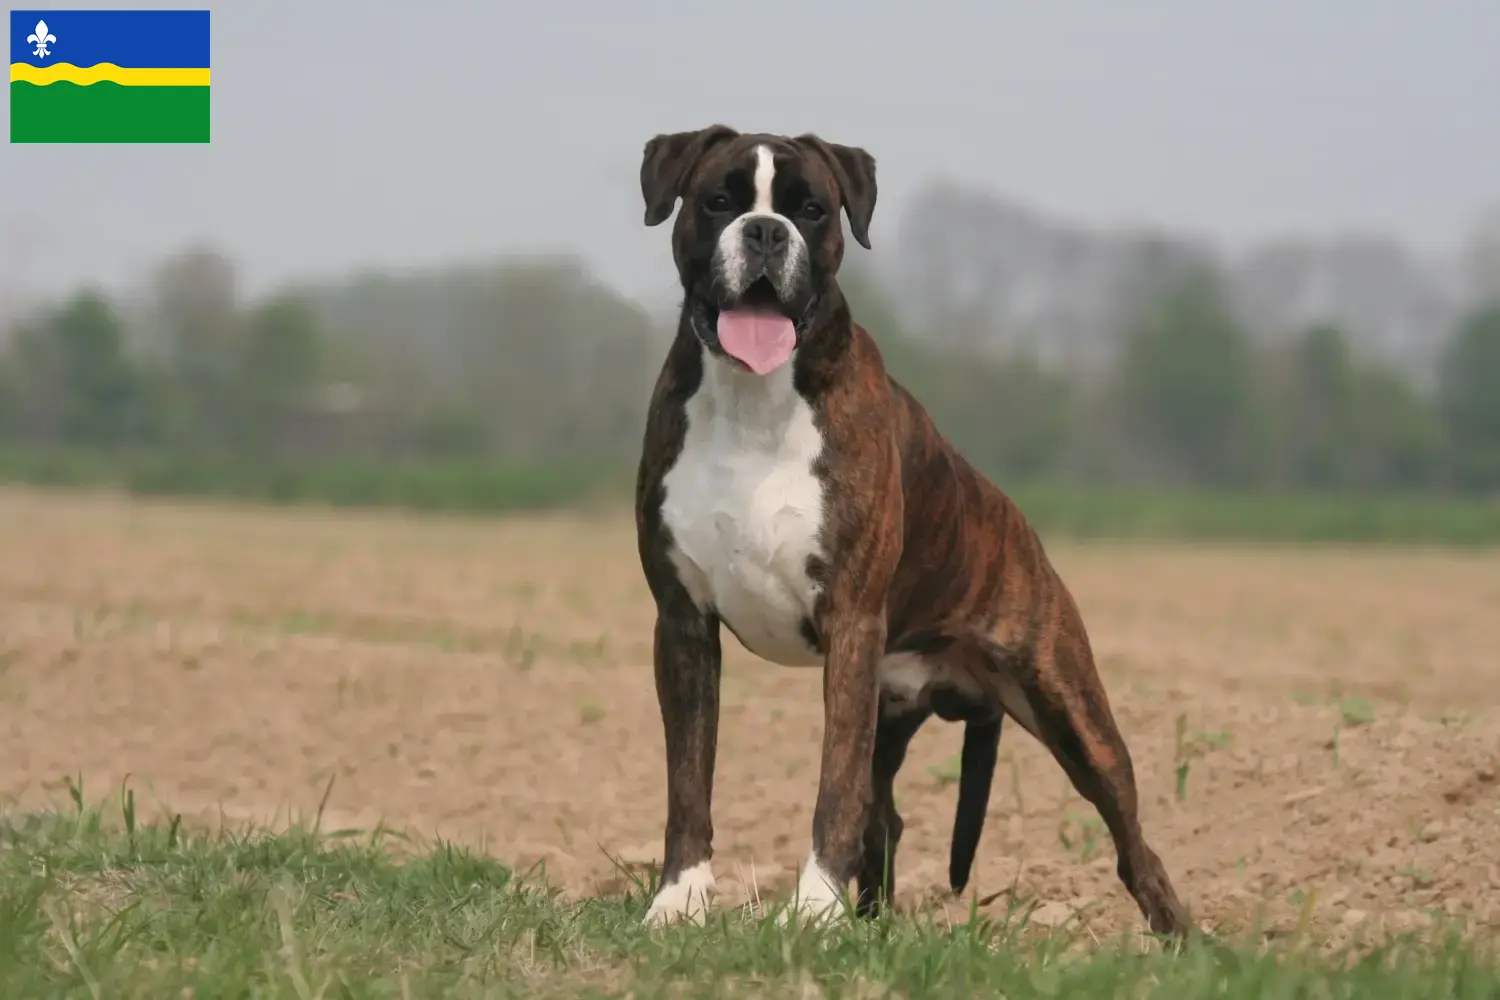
(765, 236)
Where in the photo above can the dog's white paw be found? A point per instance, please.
(685, 899)
(819, 897)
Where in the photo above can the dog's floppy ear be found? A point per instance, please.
(854, 169)
(666, 163)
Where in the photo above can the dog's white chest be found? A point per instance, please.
(745, 509)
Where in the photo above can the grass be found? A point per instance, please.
(1079, 511)
(1356, 712)
(1072, 510)
(430, 485)
(91, 907)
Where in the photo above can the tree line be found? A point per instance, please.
(532, 363)
(1191, 400)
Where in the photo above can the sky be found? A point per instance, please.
(356, 133)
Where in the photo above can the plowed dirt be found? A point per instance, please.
(490, 682)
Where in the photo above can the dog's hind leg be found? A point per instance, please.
(1054, 691)
(877, 873)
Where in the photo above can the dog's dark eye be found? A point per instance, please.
(717, 203)
(812, 211)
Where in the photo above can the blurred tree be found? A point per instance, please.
(907, 361)
(71, 379)
(10, 398)
(449, 433)
(1011, 417)
(1338, 423)
(1394, 439)
(1469, 398)
(194, 315)
(559, 364)
(535, 360)
(1019, 422)
(1481, 258)
(34, 372)
(277, 371)
(1186, 385)
(1314, 420)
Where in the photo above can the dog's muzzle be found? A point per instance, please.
(759, 246)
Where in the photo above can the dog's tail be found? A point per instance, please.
(976, 775)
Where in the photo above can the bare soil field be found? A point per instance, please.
(1314, 730)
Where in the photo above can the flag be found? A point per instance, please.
(109, 76)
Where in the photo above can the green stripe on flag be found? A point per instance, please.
(107, 112)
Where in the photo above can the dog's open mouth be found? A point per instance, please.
(756, 332)
(760, 295)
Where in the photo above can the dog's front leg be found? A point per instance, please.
(687, 656)
(856, 642)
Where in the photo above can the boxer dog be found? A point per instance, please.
(792, 492)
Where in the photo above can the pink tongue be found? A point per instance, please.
(762, 340)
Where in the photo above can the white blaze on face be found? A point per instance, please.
(765, 174)
(731, 263)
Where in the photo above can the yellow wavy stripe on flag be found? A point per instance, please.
(107, 73)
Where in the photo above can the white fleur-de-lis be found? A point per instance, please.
(41, 38)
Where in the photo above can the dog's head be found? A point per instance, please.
(758, 240)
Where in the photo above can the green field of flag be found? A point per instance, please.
(109, 76)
